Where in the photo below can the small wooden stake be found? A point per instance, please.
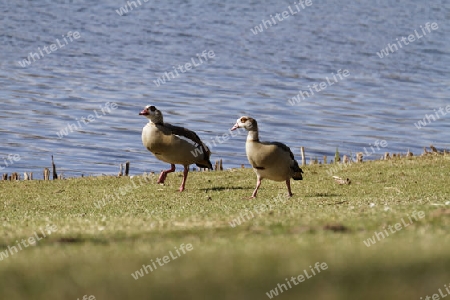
(127, 168)
(46, 174)
(324, 159)
(120, 170)
(359, 157)
(55, 176)
(345, 159)
(220, 165)
(302, 152)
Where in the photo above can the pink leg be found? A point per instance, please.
(258, 183)
(288, 184)
(163, 175)
(185, 174)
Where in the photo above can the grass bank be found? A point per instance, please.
(95, 247)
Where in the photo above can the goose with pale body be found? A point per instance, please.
(270, 160)
(173, 144)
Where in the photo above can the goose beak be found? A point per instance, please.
(236, 126)
(144, 113)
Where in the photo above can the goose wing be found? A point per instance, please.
(284, 148)
(189, 134)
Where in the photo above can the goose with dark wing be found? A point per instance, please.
(173, 144)
(271, 160)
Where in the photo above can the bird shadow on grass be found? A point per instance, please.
(223, 188)
(322, 195)
(67, 240)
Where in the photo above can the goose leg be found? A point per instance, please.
(185, 174)
(258, 183)
(163, 175)
(288, 184)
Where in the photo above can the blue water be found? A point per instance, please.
(116, 59)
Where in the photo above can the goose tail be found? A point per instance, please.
(297, 171)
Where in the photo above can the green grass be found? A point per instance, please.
(94, 251)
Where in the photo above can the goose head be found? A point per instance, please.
(247, 123)
(152, 113)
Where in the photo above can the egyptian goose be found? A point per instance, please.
(173, 144)
(271, 160)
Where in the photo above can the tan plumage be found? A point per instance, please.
(271, 160)
(173, 144)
